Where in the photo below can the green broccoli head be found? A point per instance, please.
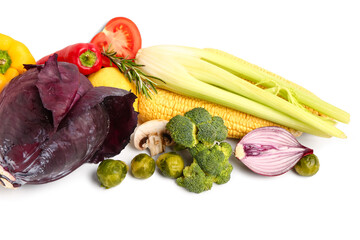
(221, 130)
(211, 160)
(182, 130)
(194, 179)
(214, 161)
(226, 149)
(197, 125)
(198, 115)
(202, 134)
(224, 175)
(223, 147)
(212, 131)
(197, 148)
(206, 134)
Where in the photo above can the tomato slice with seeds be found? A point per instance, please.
(123, 36)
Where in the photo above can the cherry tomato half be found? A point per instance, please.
(123, 36)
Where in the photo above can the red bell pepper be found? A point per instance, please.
(86, 56)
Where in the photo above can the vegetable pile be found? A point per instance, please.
(79, 105)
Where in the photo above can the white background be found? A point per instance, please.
(313, 43)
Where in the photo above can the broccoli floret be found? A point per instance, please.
(210, 132)
(206, 134)
(221, 130)
(202, 135)
(182, 130)
(215, 161)
(194, 179)
(197, 125)
(198, 148)
(224, 175)
(226, 149)
(211, 160)
(210, 129)
(198, 115)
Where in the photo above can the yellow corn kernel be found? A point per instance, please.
(166, 104)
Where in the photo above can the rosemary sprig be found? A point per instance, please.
(131, 70)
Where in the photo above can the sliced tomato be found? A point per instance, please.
(123, 36)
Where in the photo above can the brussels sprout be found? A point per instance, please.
(308, 165)
(142, 166)
(111, 172)
(170, 164)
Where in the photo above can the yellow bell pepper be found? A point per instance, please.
(13, 55)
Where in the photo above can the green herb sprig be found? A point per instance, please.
(132, 71)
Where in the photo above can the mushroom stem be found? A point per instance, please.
(156, 145)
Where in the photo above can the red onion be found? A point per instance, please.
(270, 151)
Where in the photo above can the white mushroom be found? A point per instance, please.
(153, 135)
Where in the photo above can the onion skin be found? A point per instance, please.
(270, 151)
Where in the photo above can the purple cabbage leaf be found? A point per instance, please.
(53, 121)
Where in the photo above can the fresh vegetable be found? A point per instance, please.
(111, 172)
(86, 56)
(308, 165)
(212, 75)
(275, 84)
(182, 131)
(166, 105)
(214, 161)
(13, 55)
(122, 35)
(170, 164)
(209, 129)
(152, 135)
(54, 120)
(112, 77)
(142, 166)
(194, 179)
(270, 151)
(197, 125)
(203, 135)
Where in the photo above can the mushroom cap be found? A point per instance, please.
(155, 127)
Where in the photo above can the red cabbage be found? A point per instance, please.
(53, 121)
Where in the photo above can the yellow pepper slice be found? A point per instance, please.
(13, 54)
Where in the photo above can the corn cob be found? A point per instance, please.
(266, 79)
(165, 105)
